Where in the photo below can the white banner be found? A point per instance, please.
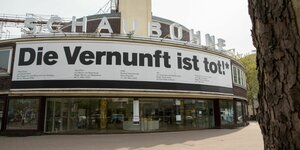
(118, 61)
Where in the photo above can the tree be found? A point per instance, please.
(275, 33)
(252, 83)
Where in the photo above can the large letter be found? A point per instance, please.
(133, 61)
(87, 57)
(104, 24)
(172, 31)
(221, 44)
(142, 59)
(22, 61)
(72, 58)
(155, 30)
(157, 57)
(210, 41)
(77, 23)
(110, 55)
(29, 23)
(49, 58)
(195, 38)
(50, 24)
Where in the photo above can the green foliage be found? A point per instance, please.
(249, 61)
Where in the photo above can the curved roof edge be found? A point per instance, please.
(112, 15)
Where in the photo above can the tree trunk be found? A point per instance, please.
(275, 34)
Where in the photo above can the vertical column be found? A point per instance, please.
(217, 113)
(103, 114)
(42, 110)
(135, 16)
(5, 113)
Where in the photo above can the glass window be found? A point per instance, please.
(245, 80)
(198, 114)
(117, 114)
(239, 112)
(1, 111)
(168, 113)
(226, 110)
(5, 59)
(234, 75)
(81, 114)
(239, 76)
(23, 113)
(150, 114)
(242, 78)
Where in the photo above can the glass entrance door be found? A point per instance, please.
(71, 114)
(199, 114)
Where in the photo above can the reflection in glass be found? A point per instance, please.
(81, 114)
(245, 112)
(23, 113)
(152, 115)
(116, 114)
(239, 112)
(226, 110)
(68, 114)
(199, 114)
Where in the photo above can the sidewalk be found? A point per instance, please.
(244, 138)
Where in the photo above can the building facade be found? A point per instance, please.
(107, 80)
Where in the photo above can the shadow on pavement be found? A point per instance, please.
(110, 141)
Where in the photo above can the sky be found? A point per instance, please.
(226, 19)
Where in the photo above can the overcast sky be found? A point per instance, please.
(227, 19)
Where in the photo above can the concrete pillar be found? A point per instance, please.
(138, 11)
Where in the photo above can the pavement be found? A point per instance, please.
(242, 138)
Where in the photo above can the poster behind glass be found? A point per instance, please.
(23, 114)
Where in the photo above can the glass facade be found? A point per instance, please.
(23, 113)
(226, 111)
(117, 114)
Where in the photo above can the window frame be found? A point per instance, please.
(10, 49)
(38, 117)
(239, 76)
(234, 70)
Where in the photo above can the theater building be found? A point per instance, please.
(125, 71)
